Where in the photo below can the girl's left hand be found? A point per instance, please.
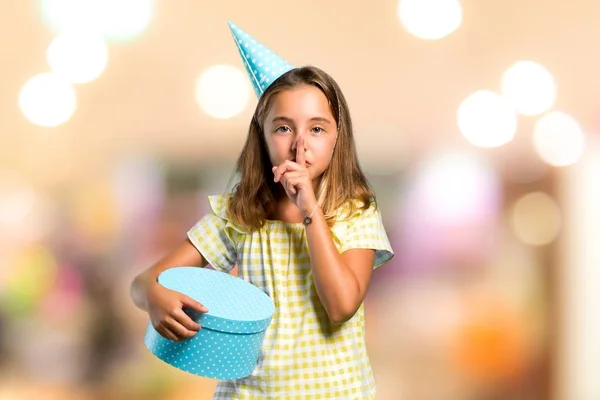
(296, 180)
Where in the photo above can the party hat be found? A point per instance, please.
(262, 64)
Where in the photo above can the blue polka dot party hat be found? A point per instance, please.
(261, 63)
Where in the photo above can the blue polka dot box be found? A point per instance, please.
(228, 345)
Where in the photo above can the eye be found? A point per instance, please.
(283, 129)
(317, 130)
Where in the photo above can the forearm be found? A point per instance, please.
(336, 284)
(186, 254)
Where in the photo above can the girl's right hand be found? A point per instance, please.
(167, 315)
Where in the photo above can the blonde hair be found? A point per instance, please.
(254, 197)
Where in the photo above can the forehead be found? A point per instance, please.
(300, 102)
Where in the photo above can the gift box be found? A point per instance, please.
(229, 342)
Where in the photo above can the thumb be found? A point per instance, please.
(189, 302)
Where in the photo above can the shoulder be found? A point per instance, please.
(363, 228)
(219, 210)
(354, 209)
(218, 204)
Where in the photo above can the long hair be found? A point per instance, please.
(254, 197)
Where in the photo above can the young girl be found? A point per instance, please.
(302, 225)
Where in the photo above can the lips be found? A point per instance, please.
(305, 162)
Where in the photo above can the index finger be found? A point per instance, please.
(300, 151)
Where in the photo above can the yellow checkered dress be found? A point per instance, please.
(303, 355)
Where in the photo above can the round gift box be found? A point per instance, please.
(228, 344)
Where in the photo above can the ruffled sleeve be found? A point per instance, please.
(216, 237)
(365, 230)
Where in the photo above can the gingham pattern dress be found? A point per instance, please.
(304, 355)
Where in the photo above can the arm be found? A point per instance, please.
(341, 280)
(185, 254)
(166, 307)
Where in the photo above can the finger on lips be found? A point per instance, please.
(300, 151)
(291, 165)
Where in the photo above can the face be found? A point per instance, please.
(301, 112)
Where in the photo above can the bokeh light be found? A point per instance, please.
(468, 186)
(65, 297)
(32, 274)
(430, 19)
(222, 91)
(450, 212)
(37, 225)
(529, 87)
(535, 219)
(491, 345)
(26, 214)
(486, 119)
(47, 100)
(558, 139)
(79, 57)
(16, 197)
(64, 15)
(113, 19)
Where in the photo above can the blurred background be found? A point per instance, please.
(476, 123)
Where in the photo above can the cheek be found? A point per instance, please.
(277, 149)
(323, 150)
(269, 144)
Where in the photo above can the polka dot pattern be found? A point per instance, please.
(211, 354)
(262, 64)
(229, 344)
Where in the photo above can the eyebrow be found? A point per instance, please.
(291, 121)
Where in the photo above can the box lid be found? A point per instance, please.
(234, 305)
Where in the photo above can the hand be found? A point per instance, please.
(167, 315)
(296, 180)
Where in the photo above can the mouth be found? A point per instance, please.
(305, 162)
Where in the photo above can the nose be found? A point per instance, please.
(297, 140)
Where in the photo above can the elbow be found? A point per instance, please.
(341, 315)
(134, 285)
(341, 305)
(134, 291)
(138, 292)
(342, 309)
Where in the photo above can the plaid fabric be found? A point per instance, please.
(303, 355)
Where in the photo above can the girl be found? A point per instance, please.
(302, 225)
